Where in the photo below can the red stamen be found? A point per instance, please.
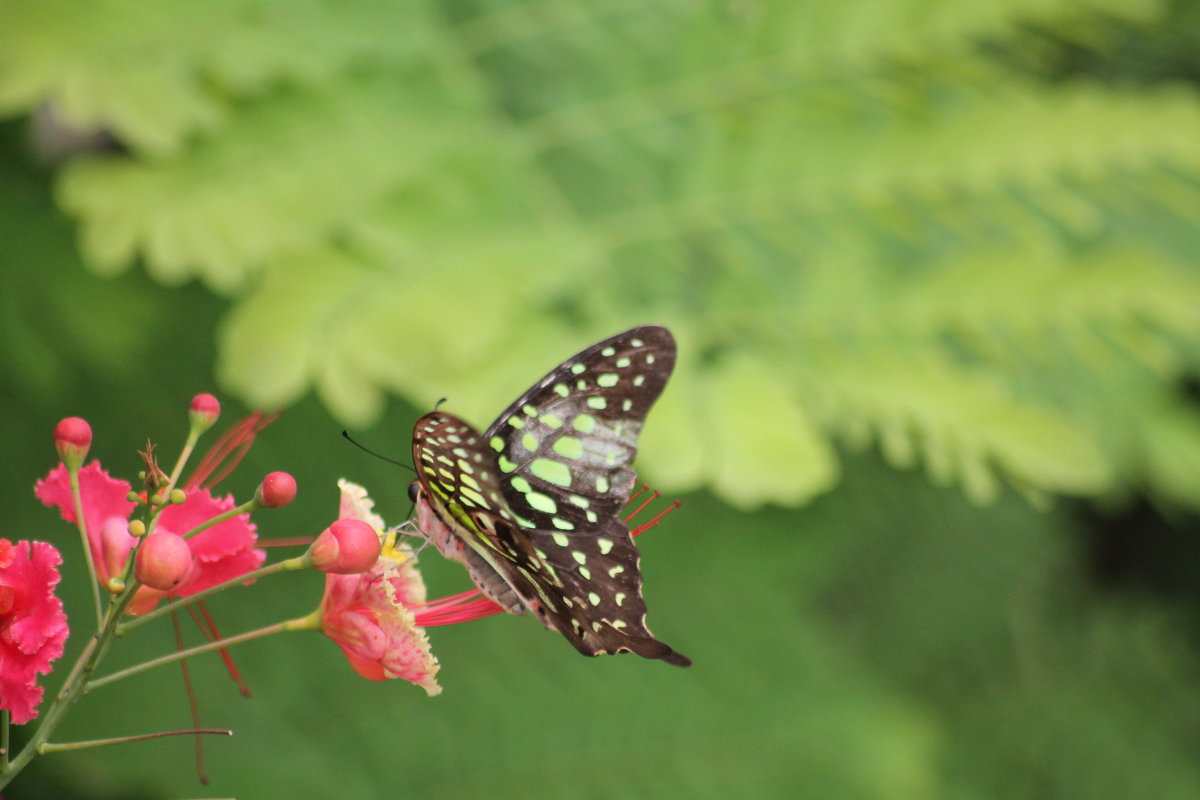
(229, 450)
(645, 526)
(654, 496)
(209, 626)
(191, 696)
(442, 613)
(637, 494)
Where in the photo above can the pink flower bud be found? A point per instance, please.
(347, 546)
(163, 561)
(72, 438)
(115, 544)
(276, 490)
(204, 411)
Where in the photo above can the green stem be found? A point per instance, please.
(77, 499)
(302, 623)
(73, 687)
(244, 508)
(184, 455)
(5, 719)
(52, 747)
(299, 562)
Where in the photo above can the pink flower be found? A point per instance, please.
(367, 614)
(33, 626)
(221, 552)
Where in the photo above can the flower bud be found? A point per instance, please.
(178, 496)
(346, 547)
(115, 544)
(276, 490)
(137, 527)
(163, 561)
(203, 412)
(72, 438)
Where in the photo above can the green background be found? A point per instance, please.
(932, 272)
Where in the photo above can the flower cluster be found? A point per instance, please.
(218, 553)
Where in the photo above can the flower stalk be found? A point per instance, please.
(56, 747)
(81, 523)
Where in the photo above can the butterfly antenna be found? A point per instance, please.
(380, 456)
(438, 404)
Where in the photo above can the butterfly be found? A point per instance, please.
(531, 506)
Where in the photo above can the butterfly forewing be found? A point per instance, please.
(564, 447)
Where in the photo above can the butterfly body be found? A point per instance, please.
(531, 506)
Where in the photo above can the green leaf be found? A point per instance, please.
(915, 238)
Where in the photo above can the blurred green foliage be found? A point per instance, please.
(901, 222)
(893, 233)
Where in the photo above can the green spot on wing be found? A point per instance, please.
(542, 502)
(568, 447)
(551, 471)
(584, 423)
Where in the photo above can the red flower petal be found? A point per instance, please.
(33, 630)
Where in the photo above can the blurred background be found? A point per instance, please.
(935, 427)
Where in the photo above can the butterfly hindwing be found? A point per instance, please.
(603, 573)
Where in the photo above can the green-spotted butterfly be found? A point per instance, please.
(531, 507)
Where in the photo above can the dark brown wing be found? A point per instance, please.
(587, 587)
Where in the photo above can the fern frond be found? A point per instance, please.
(858, 223)
(157, 74)
(282, 178)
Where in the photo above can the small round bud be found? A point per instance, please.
(276, 490)
(163, 561)
(157, 499)
(347, 546)
(178, 496)
(203, 412)
(133, 497)
(115, 585)
(137, 527)
(72, 438)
